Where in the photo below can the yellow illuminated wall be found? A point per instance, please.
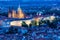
(16, 23)
(14, 14)
(19, 14)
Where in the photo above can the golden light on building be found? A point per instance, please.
(37, 20)
(16, 23)
(28, 22)
(52, 17)
(20, 13)
(14, 15)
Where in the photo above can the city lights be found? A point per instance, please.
(52, 17)
(29, 20)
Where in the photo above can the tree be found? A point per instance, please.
(24, 24)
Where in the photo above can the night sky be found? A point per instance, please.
(5, 4)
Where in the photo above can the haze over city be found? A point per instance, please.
(5, 4)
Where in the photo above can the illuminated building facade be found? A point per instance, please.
(14, 15)
(19, 14)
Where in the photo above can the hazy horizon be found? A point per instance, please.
(5, 4)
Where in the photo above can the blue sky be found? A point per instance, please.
(4, 4)
(29, 0)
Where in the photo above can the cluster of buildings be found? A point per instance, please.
(20, 15)
(14, 14)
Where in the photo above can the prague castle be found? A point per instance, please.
(19, 13)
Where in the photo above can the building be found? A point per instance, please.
(14, 15)
(9, 14)
(19, 13)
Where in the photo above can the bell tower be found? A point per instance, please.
(20, 13)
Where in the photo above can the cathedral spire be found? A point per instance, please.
(20, 13)
(19, 7)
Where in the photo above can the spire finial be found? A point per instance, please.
(19, 7)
